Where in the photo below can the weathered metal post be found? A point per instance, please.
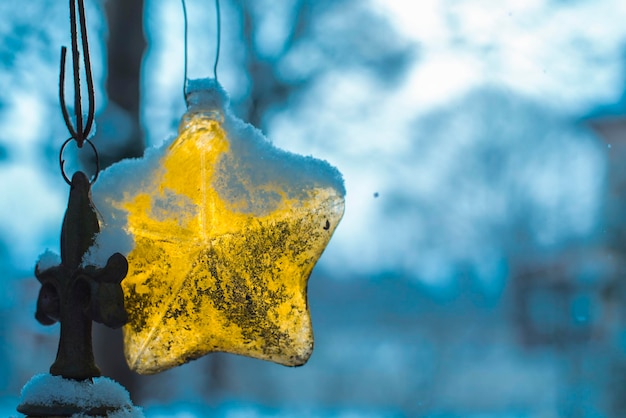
(74, 294)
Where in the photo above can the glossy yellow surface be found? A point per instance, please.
(207, 273)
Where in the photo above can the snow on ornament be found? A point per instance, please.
(222, 231)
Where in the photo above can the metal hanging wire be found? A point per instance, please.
(78, 132)
(218, 42)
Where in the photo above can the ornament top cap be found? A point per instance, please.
(206, 94)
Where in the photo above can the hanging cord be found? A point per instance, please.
(219, 42)
(79, 132)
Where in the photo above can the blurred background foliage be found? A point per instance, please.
(479, 269)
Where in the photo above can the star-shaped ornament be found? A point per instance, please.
(223, 231)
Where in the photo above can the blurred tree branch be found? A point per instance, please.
(323, 35)
(126, 45)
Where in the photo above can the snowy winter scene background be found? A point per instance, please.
(479, 270)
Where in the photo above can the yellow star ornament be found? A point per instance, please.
(223, 231)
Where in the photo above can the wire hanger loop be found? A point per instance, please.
(218, 43)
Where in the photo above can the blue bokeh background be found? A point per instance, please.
(479, 268)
